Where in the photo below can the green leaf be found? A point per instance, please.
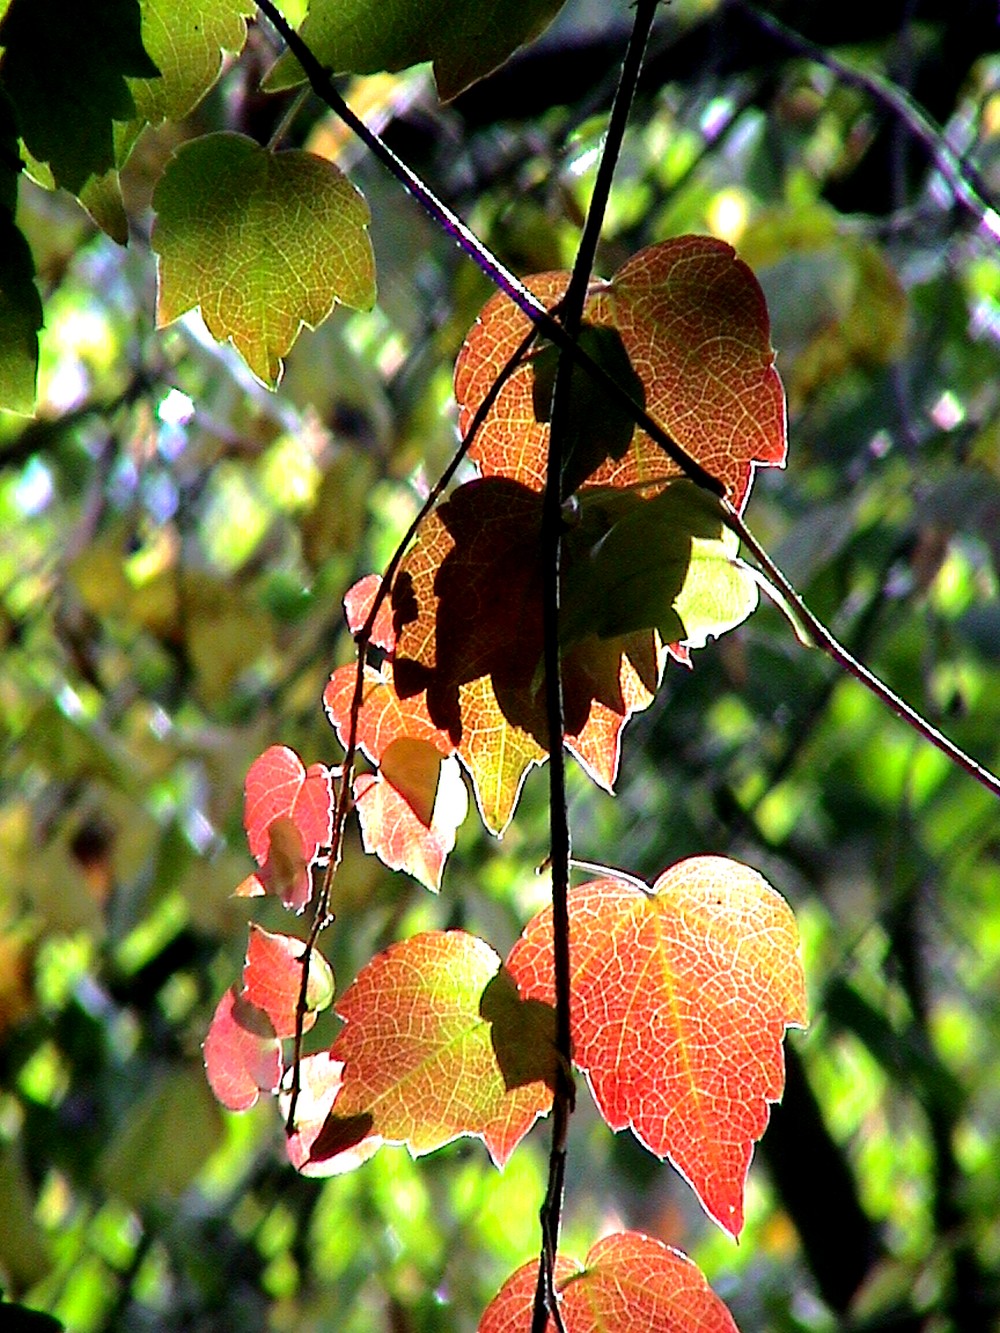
(20, 321)
(186, 39)
(64, 68)
(466, 39)
(263, 242)
(667, 563)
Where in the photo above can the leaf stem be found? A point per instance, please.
(546, 1303)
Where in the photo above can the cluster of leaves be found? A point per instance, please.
(650, 572)
(441, 1037)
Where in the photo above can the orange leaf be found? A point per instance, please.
(272, 979)
(437, 1044)
(411, 809)
(692, 318)
(468, 612)
(340, 1145)
(288, 817)
(680, 1002)
(383, 717)
(629, 1282)
(358, 601)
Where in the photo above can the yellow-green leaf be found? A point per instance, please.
(186, 39)
(466, 39)
(263, 242)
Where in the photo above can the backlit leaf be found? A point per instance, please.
(342, 1144)
(383, 717)
(466, 39)
(358, 601)
(666, 562)
(409, 819)
(693, 322)
(263, 242)
(437, 1044)
(186, 40)
(680, 1002)
(64, 67)
(288, 817)
(242, 1054)
(467, 611)
(272, 979)
(629, 1282)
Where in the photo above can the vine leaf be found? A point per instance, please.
(242, 1054)
(629, 1281)
(411, 809)
(436, 1044)
(466, 39)
(288, 817)
(186, 40)
(242, 1048)
(681, 999)
(272, 980)
(469, 589)
(20, 320)
(692, 319)
(666, 562)
(64, 67)
(263, 242)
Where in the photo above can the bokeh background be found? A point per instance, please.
(174, 545)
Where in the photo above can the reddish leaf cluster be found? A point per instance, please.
(681, 994)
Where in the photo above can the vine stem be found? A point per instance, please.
(322, 916)
(564, 335)
(546, 1303)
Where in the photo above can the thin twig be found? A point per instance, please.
(546, 1303)
(835, 649)
(321, 915)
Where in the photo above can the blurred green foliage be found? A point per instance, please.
(174, 545)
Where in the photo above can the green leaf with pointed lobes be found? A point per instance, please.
(263, 242)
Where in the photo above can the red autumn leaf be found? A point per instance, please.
(410, 810)
(692, 319)
(242, 1054)
(680, 1002)
(358, 601)
(272, 979)
(437, 1044)
(288, 816)
(467, 606)
(629, 1282)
